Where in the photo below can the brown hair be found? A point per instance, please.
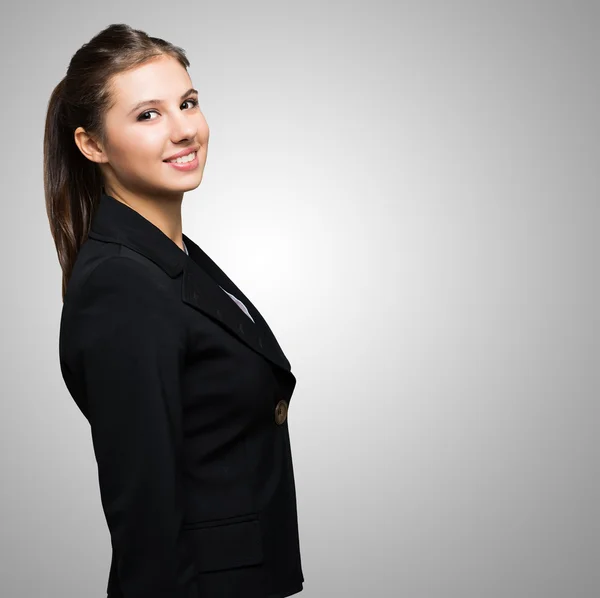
(72, 183)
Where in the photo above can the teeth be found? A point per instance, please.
(184, 159)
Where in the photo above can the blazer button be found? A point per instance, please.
(260, 342)
(241, 328)
(281, 412)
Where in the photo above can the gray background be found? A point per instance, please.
(409, 194)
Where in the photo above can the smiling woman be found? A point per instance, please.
(119, 120)
(142, 136)
(181, 379)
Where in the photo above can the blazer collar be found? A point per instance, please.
(116, 222)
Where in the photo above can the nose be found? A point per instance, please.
(183, 127)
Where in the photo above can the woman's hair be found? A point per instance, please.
(72, 183)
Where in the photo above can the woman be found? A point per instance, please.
(184, 385)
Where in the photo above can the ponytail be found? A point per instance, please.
(72, 183)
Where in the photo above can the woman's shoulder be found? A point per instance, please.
(118, 290)
(112, 268)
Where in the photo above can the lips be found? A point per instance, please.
(182, 153)
(176, 160)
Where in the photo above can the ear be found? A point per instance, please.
(88, 146)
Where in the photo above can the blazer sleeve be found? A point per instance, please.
(132, 352)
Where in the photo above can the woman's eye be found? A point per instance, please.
(144, 113)
(194, 102)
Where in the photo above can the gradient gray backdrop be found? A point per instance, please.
(409, 194)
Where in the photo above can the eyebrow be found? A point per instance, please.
(144, 102)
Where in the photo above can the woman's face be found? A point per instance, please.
(141, 137)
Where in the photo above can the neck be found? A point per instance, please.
(164, 212)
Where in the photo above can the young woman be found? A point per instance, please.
(184, 385)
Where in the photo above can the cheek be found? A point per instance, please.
(203, 130)
(139, 146)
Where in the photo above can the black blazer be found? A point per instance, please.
(187, 401)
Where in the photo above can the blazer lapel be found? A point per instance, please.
(201, 289)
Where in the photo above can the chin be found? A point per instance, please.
(193, 186)
(187, 183)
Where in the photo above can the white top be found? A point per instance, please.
(235, 299)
